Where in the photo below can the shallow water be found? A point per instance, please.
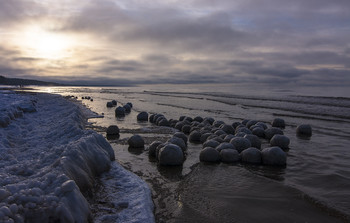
(314, 185)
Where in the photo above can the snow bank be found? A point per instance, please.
(47, 159)
(13, 106)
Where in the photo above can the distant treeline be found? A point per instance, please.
(18, 81)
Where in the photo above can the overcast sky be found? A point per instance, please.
(295, 42)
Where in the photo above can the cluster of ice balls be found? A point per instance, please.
(170, 153)
(85, 98)
(120, 111)
(239, 141)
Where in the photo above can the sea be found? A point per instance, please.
(313, 187)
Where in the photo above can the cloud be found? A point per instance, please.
(195, 41)
(18, 11)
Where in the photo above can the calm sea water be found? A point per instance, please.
(314, 187)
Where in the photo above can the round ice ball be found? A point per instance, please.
(182, 136)
(4, 194)
(152, 148)
(229, 156)
(274, 156)
(228, 129)
(281, 141)
(113, 130)
(251, 155)
(270, 132)
(127, 108)
(120, 111)
(259, 132)
(251, 123)
(210, 120)
(170, 155)
(188, 119)
(179, 125)
(240, 143)
(158, 149)
(164, 122)
(142, 116)
(209, 154)
(243, 129)
(151, 118)
(228, 137)
(136, 141)
(279, 123)
(224, 145)
(254, 140)
(109, 104)
(195, 137)
(198, 119)
(211, 143)
(205, 136)
(262, 125)
(179, 142)
(304, 130)
(186, 129)
(218, 123)
(219, 132)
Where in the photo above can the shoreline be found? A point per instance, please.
(178, 195)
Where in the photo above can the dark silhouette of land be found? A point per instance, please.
(24, 82)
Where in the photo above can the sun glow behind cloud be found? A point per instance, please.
(37, 42)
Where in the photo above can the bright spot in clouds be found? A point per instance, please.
(38, 43)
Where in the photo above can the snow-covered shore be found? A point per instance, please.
(48, 159)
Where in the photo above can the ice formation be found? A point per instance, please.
(48, 159)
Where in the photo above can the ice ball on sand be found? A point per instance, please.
(274, 156)
(229, 156)
(142, 116)
(279, 123)
(120, 111)
(170, 155)
(251, 155)
(209, 154)
(304, 130)
(281, 141)
(136, 141)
